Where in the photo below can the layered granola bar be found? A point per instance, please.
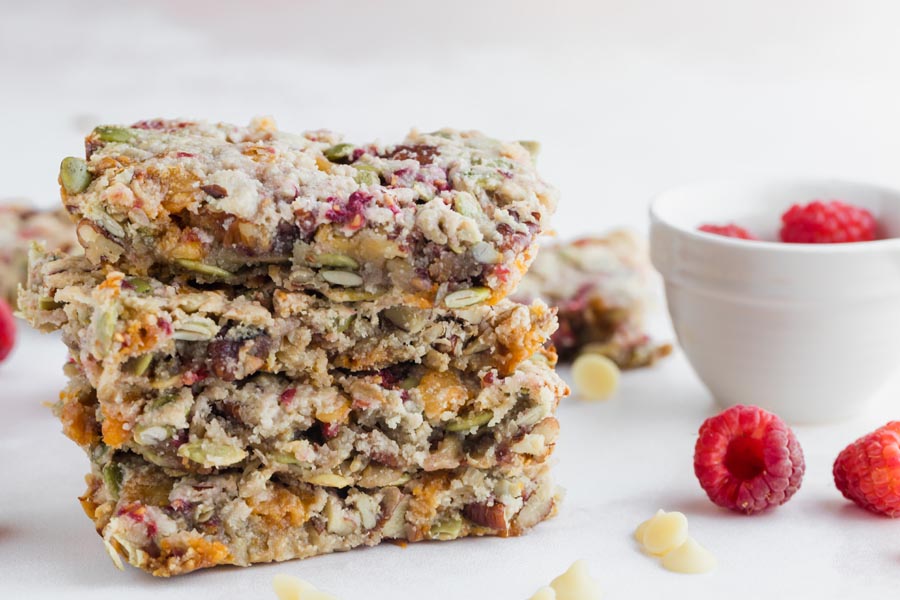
(168, 524)
(446, 217)
(21, 225)
(365, 427)
(600, 287)
(140, 331)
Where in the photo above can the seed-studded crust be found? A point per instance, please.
(438, 213)
(600, 287)
(19, 227)
(170, 524)
(139, 331)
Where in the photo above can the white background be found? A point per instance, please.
(628, 98)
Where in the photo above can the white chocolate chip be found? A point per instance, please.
(639, 532)
(664, 532)
(545, 593)
(288, 587)
(690, 557)
(576, 584)
(596, 377)
(665, 535)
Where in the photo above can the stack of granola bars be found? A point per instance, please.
(285, 345)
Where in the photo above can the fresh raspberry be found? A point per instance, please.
(731, 230)
(868, 470)
(747, 459)
(7, 330)
(827, 223)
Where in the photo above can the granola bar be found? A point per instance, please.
(446, 217)
(19, 227)
(168, 524)
(600, 287)
(132, 329)
(366, 427)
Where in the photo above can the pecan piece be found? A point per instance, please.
(422, 154)
(97, 242)
(492, 517)
(215, 190)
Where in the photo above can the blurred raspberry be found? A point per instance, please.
(731, 230)
(827, 223)
(747, 460)
(868, 470)
(7, 330)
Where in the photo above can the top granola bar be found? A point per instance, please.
(446, 217)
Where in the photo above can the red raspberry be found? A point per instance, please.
(731, 230)
(868, 470)
(7, 330)
(747, 459)
(827, 223)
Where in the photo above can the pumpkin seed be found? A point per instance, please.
(470, 421)
(211, 454)
(203, 268)
(366, 175)
(342, 278)
(467, 297)
(195, 329)
(74, 175)
(339, 153)
(112, 477)
(446, 530)
(111, 133)
(138, 366)
(337, 261)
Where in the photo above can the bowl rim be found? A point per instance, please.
(771, 246)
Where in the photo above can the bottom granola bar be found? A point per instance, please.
(168, 524)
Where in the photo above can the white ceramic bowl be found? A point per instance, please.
(807, 331)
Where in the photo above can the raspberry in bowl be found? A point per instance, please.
(809, 328)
